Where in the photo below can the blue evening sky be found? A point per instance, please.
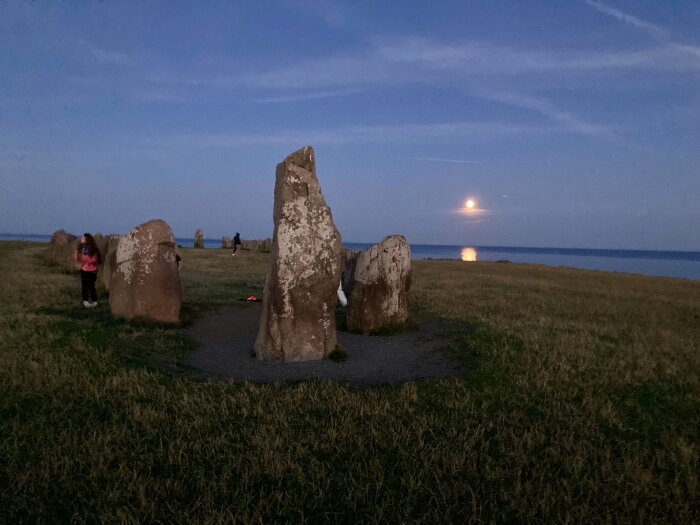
(570, 123)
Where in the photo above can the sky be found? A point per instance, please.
(570, 124)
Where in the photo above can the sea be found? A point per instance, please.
(683, 264)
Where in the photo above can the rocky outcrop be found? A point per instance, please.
(226, 242)
(146, 283)
(199, 239)
(299, 300)
(62, 248)
(382, 278)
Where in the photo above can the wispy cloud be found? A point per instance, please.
(657, 32)
(455, 161)
(652, 29)
(422, 60)
(109, 57)
(545, 107)
(329, 10)
(313, 95)
(98, 53)
(474, 57)
(355, 134)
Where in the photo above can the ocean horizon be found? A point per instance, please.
(664, 263)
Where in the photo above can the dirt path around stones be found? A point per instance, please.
(225, 341)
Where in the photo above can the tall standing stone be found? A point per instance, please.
(199, 239)
(382, 278)
(145, 282)
(298, 310)
(226, 242)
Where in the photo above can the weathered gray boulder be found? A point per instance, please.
(299, 300)
(199, 239)
(62, 248)
(382, 278)
(108, 250)
(226, 242)
(145, 282)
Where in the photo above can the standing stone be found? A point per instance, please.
(298, 310)
(62, 248)
(146, 282)
(349, 264)
(263, 246)
(102, 244)
(226, 242)
(382, 279)
(109, 258)
(199, 239)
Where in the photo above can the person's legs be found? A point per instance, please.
(92, 277)
(84, 285)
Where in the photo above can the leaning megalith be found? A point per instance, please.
(298, 311)
(381, 280)
(145, 283)
(62, 248)
(199, 239)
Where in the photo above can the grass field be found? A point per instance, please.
(584, 407)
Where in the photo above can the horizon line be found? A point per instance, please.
(461, 245)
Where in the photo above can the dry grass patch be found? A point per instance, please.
(584, 408)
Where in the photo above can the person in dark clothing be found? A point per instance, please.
(87, 259)
(236, 242)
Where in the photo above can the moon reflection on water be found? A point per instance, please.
(469, 254)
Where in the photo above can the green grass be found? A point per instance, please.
(583, 406)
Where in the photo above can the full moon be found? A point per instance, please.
(470, 203)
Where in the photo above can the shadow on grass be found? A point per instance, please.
(341, 324)
(136, 343)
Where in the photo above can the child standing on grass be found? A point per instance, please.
(88, 258)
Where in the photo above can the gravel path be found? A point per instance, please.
(225, 342)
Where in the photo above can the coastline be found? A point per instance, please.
(670, 263)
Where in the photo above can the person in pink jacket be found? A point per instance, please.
(88, 259)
